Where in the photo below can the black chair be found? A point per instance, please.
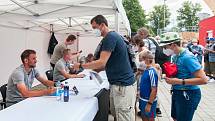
(49, 74)
(3, 90)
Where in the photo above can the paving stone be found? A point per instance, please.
(204, 112)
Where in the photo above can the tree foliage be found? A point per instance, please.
(187, 14)
(156, 17)
(136, 15)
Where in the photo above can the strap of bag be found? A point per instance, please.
(156, 44)
(149, 44)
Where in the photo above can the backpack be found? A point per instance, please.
(131, 55)
(160, 57)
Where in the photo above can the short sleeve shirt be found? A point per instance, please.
(18, 76)
(58, 52)
(149, 79)
(150, 45)
(118, 68)
(187, 65)
(60, 65)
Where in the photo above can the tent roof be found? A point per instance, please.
(66, 16)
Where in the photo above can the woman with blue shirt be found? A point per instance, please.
(186, 94)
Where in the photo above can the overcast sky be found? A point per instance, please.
(173, 5)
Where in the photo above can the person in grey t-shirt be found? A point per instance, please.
(20, 81)
(58, 50)
(62, 67)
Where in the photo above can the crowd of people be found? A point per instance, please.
(127, 87)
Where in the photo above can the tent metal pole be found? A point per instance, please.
(55, 10)
(20, 5)
(5, 12)
(39, 26)
(70, 22)
(79, 24)
(81, 5)
(11, 26)
(116, 21)
(63, 21)
(67, 29)
(16, 24)
(51, 28)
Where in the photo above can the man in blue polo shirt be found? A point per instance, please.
(112, 56)
(186, 94)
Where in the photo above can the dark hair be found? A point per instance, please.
(177, 43)
(137, 39)
(99, 19)
(141, 44)
(26, 53)
(66, 51)
(90, 55)
(71, 37)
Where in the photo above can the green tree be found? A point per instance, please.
(136, 15)
(187, 14)
(156, 17)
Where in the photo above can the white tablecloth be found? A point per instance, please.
(81, 107)
(47, 108)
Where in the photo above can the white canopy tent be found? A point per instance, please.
(26, 24)
(66, 16)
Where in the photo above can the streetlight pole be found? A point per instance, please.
(158, 30)
(164, 13)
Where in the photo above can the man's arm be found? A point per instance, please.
(151, 99)
(67, 75)
(33, 93)
(200, 78)
(46, 82)
(75, 55)
(97, 64)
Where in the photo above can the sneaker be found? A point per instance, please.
(158, 111)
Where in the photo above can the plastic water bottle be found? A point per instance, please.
(58, 90)
(66, 92)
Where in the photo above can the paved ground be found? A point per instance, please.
(206, 108)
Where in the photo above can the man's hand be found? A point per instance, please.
(76, 66)
(172, 81)
(81, 75)
(50, 90)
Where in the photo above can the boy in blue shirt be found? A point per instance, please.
(148, 88)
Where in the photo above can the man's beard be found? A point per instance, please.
(32, 66)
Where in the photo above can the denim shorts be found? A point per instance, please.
(184, 104)
(152, 113)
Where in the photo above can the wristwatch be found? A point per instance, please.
(183, 82)
(149, 103)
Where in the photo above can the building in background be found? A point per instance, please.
(206, 30)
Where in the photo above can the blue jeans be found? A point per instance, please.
(184, 104)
